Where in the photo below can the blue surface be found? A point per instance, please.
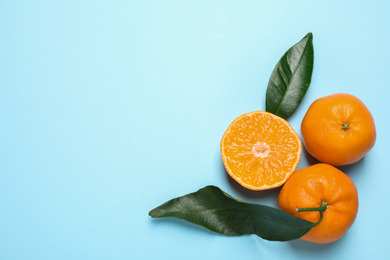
(110, 108)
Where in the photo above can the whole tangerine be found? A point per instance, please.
(321, 192)
(338, 129)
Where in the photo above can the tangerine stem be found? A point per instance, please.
(319, 221)
(345, 126)
(322, 208)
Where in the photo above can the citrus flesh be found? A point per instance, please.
(260, 150)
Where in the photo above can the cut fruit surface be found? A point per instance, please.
(260, 150)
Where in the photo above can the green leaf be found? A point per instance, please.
(212, 208)
(291, 78)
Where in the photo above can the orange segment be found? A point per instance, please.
(260, 150)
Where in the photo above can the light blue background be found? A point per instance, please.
(110, 108)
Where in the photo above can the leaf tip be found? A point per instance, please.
(153, 213)
(309, 36)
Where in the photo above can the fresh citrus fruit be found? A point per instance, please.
(338, 129)
(260, 150)
(321, 185)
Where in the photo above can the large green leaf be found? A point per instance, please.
(212, 208)
(291, 78)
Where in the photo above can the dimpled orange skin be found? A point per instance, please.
(324, 136)
(308, 188)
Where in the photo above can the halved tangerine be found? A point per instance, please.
(260, 150)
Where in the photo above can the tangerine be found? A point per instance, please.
(338, 129)
(260, 150)
(321, 187)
